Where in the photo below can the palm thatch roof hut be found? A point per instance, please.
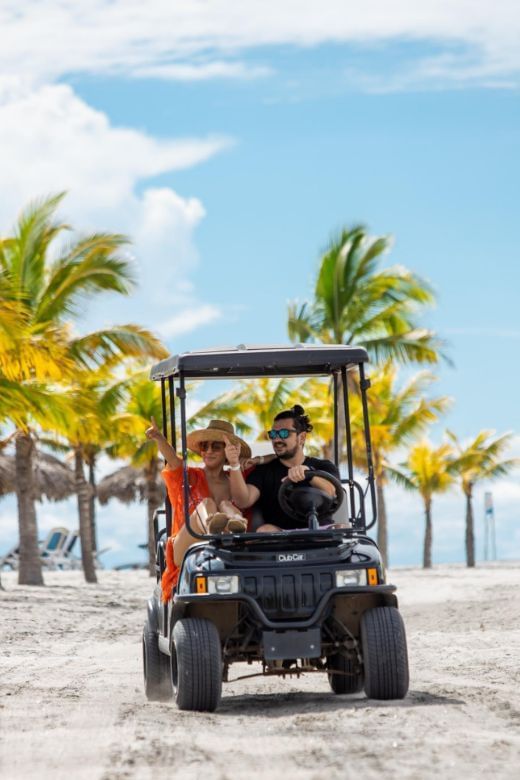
(129, 484)
(53, 479)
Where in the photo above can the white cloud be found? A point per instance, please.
(57, 142)
(189, 319)
(200, 72)
(46, 41)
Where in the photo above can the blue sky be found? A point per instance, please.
(232, 144)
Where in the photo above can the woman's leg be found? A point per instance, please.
(229, 508)
(198, 522)
(267, 528)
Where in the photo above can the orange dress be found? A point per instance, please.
(199, 490)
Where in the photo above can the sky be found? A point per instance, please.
(231, 142)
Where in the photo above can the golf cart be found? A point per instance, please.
(309, 600)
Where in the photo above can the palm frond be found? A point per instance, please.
(115, 344)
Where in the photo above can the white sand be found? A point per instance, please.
(73, 706)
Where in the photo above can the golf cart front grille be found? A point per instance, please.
(290, 594)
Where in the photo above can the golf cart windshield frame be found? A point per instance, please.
(246, 362)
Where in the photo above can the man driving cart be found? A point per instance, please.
(262, 485)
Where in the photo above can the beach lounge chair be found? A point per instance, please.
(49, 547)
(11, 558)
(63, 557)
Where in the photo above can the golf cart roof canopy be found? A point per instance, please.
(250, 361)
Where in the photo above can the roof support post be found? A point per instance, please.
(350, 466)
(365, 384)
(167, 503)
(336, 430)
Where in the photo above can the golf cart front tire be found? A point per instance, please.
(385, 655)
(196, 665)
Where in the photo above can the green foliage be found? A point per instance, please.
(355, 303)
(426, 470)
(482, 458)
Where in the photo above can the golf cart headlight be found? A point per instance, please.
(223, 584)
(351, 577)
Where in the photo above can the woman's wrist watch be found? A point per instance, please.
(235, 468)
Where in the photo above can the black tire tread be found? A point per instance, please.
(346, 682)
(199, 664)
(385, 654)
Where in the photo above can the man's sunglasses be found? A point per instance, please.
(281, 433)
(216, 446)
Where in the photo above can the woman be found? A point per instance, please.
(210, 507)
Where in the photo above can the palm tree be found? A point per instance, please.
(355, 303)
(250, 405)
(427, 470)
(479, 460)
(397, 416)
(43, 295)
(143, 402)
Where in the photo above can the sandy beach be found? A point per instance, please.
(72, 703)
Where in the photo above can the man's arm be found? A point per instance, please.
(242, 494)
(163, 445)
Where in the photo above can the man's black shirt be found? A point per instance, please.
(268, 478)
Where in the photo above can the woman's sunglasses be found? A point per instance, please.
(216, 446)
(281, 433)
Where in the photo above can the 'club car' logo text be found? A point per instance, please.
(291, 557)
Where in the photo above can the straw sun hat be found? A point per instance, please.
(216, 431)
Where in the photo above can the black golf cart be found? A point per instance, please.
(312, 600)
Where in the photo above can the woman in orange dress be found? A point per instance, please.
(210, 506)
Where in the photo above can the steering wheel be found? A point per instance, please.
(303, 501)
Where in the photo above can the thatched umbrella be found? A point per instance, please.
(129, 484)
(52, 478)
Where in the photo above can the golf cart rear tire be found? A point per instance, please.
(385, 656)
(348, 680)
(156, 668)
(196, 665)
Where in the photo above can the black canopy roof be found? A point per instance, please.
(249, 361)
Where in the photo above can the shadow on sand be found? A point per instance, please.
(295, 703)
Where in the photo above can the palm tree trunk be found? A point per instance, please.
(470, 536)
(83, 493)
(428, 535)
(30, 571)
(92, 501)
(382, 528)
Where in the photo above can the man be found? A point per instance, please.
(288, 435)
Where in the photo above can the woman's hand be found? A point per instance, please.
(232, 452)
(153, 431)
(163, 445)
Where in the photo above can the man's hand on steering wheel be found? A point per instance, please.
(298, 499)
(303, 473)
(297, 473)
